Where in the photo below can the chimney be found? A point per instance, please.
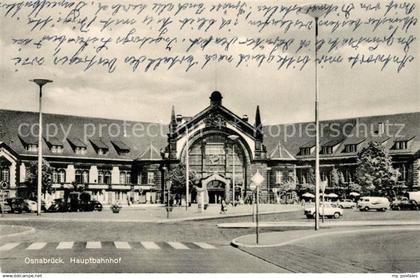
(245, 118)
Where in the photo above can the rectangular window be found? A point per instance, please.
(401, 145)
(150, 177)
(80, 150)
(327, 150)
(279, 177)
(102, 151)
(107, 178)
(32, 148)
(305, 151)
(4, 175)
(57, 149)
(55, 177)
(122, 177)
(139, 177)
(352, 148)
(125, 177)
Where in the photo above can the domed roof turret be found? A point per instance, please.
(216, 98)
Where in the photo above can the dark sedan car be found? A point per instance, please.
(58, 205)
(90, 206)
(16, 204)
(404, 204)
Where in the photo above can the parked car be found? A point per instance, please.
(346, 204)
(30, 206)
(368, 203)
(90, 206)
(326, 209)
(403, 203)
(58, 205)
(16, 204)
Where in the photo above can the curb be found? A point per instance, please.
(245, 225)
(235, 242)
(29, 231)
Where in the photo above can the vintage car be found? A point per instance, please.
(377, 203)
(347, 204)
(404, 203)
(326, 209)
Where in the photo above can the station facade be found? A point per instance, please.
(106, 158)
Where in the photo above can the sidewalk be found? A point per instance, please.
(330, 224)
(152, 214)
(277, 239)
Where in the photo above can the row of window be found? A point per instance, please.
(58, 149)
(104, 177)
(350, 148)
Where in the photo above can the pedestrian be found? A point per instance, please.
(223, 207)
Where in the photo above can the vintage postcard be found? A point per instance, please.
(217, 136)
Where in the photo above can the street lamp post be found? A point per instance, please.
(187, 170)
(316, 11)
(233, 138)
(40, 83)
(257, 179)
(168, 205)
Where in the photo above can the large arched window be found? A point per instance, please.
(104, 177)
(215, 153)
(59, 176)
(82, 176)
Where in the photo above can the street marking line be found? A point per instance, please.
(93, 245)
(149, 245)
(122, 245)
(65, 245)
(204, 245)
(36, 246)
(177, 245)
(9, 246)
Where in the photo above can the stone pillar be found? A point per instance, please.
(416, 172)
(93, 174)
(22, 172)
(70, 174)
(13, 174)
(115, 178)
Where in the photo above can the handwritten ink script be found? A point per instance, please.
(147, 36)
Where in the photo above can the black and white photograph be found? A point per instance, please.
(217, 137)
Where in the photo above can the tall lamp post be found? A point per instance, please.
(187, 170)
(234, 138)
(316, 11)
(40, 83)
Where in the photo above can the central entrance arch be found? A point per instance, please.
(215, 188)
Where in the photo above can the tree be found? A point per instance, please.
(342, 180)
(335, 178)
(177, 175)
(354, 187)
(375, 172)
(290, 184)
(311, 176)
(32, 177)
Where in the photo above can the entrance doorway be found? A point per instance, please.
(216, 191)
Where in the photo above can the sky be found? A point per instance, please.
(284, 96)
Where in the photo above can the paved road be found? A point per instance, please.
(119, 257)
(170, 256)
